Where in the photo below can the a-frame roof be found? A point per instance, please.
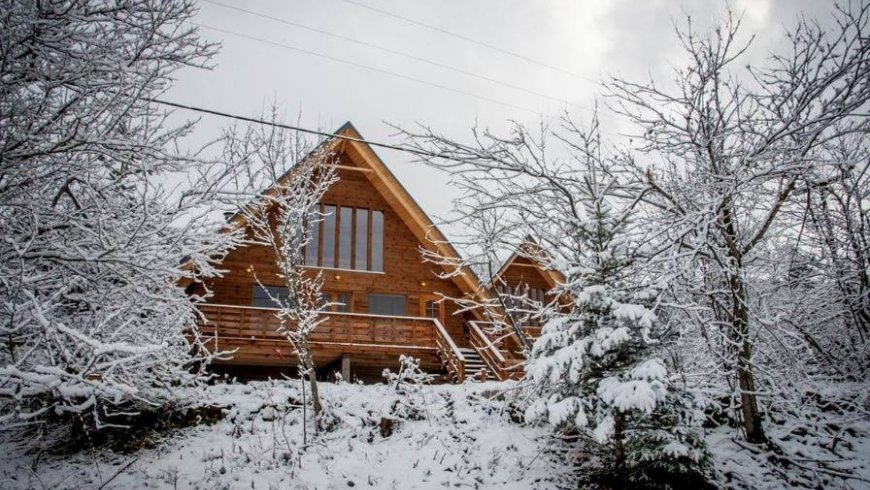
(405, 206)
(351, 143)
(552, 276)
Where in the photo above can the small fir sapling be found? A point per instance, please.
(408, 383)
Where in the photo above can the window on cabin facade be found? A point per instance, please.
(432, 309)
(327, 250)
(377, 241)
(388, 304)
(361, 255)
(313, 246)
(347, 238)
(265, 296)
(340, 302)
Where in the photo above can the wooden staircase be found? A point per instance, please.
(475, 366)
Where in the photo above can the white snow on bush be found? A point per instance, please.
(637, 314)
(630, 395)
(650, 369)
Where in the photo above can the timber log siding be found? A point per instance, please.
(404, 271)
(370, 342)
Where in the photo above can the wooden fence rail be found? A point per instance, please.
(256, 330)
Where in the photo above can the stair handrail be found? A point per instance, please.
(489, 352)
(454, 356)
(488, 343)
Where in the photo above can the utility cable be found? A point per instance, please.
(372, 68)
(300, 129)
(471, 40)
(394, 52)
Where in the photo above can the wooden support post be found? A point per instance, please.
(345, 368)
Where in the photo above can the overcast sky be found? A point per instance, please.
(584, 40)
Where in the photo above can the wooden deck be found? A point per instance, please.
(249, 336)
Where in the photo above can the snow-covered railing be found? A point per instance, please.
(450, 353)
(495, 353)
(487, 350)
(254, 330)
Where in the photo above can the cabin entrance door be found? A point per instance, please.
(430, 307)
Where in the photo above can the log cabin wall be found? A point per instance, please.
(404, 271)
(524, 272)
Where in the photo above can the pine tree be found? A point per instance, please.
(595, 368)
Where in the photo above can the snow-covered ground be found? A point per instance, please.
(463, 438)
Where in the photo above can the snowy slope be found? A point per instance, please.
(464, 439)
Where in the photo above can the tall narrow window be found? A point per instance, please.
(313, 245)
(361, 255)
(345, 238)
(327, 258)
(343, 302)
(377, 241)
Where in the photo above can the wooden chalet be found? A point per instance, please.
(388, 301)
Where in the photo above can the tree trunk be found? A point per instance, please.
(308, 362)
(748, 398)
(621, 476)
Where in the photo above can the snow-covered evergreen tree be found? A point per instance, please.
(595, 369)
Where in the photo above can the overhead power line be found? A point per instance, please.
(372, 68)
(326, 134)
(471, 40)
(300, 129)
(393, 51)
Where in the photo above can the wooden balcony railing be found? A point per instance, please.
(229, 326)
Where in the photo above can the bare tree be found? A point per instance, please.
(102, 218)
(838, 222)
(734, 150)
(295, 177)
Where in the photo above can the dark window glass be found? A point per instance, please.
(377, 241)
(361, 261)
(344, 238)
(327, 258)
(347, 238)
(265, 296)
(313, 245)
(343, 302)
(387, 304)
